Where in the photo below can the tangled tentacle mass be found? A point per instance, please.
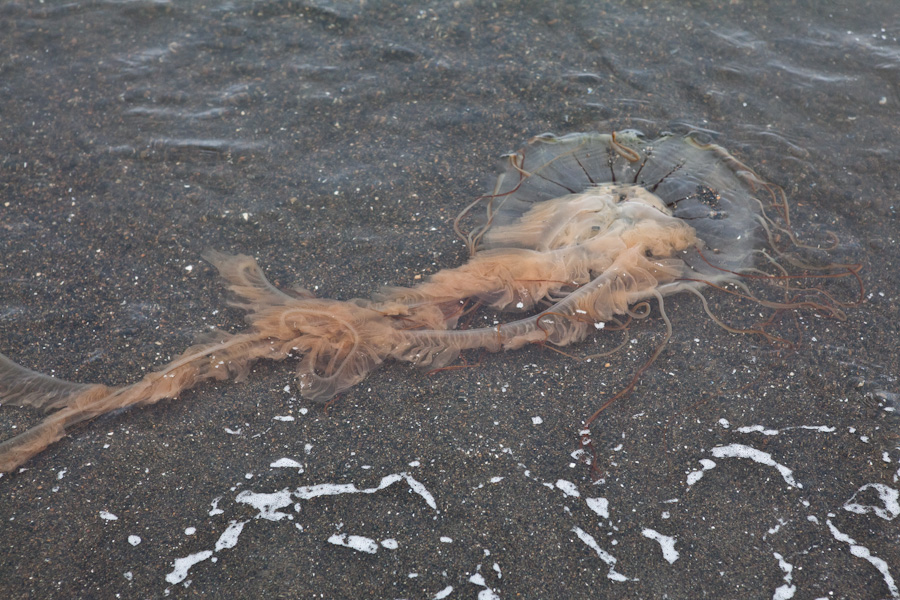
(578, 230)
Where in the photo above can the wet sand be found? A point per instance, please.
(336, 144)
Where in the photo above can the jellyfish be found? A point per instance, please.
(579, 230)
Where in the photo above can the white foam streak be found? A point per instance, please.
(266, 504)
(786, 591)
(864, 553)
(183, 565)
(229, 537)
(355, 542)
(605, 556)
(763, 458)
(332, 489)
(888, 495)
(667, 543)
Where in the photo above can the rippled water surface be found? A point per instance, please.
(335, 142)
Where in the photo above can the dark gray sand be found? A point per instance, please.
(335, 142)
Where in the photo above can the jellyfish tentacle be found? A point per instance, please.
(580, 229)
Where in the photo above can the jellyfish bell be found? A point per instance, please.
(700, 185)
(601, 210)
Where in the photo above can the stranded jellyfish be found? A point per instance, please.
(579, 231)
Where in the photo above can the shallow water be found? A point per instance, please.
(335, 142)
